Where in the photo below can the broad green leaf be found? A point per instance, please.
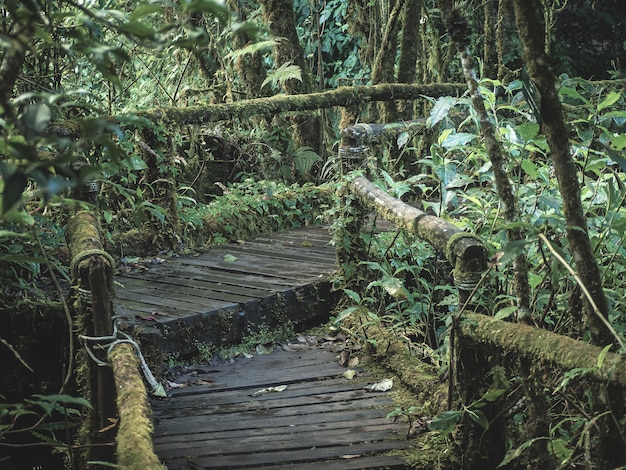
(505, 312)
(138, 29)
(346, 313)
(216, 8)
(354, 296)
(478, 417)
(253, 48)
(145, 10)
(65, 400)
(36, 118)
(440, 110)
(458, 140)
(494, 393)
(402, 140)
(610, 100)
(619, 141)
(573, 93)
(530, 168)
(230, 258)
(559, 448)
(108, 216)
(445, 421)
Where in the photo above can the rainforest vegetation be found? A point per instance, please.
(188, 124)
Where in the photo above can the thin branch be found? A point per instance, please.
(584, 289)
(16, 354)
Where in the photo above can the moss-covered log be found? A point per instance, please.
(541, 345)
(436, 231)
(134, 437)
(92, 277)
(342, 97)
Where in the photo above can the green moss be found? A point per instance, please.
(134, 437)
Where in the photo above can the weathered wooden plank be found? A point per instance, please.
(284, 441)
(182, 428)
(365, 424)
(296, 456)
(190, 294)
(377, 462)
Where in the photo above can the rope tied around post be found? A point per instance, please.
(84, 255)
(109, 342)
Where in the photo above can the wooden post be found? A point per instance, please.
(92, 278)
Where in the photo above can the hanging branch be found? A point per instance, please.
(457, 28)
(565, 170)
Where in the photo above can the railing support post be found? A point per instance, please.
(92, 278)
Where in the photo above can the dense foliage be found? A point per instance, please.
(81, 84)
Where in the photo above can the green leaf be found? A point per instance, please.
(446, 421)
(285, 72)
(493, 394)
(346, 313)
(138, 29)
(230, 258)
(440, 110)
(478, 417)
(253, 48)
(145, 10)
(559, 448)
(610, 100)
(602, 356)
(458, 140)
(515, 453)
(354, 296)
(505, 312)
(108, 216)
(215, 8)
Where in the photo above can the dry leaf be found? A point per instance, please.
(349, 374)
(353, 362)
(382, 386)
(344, 357)
(279, 388)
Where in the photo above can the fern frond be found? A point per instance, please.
(285, 72)
(252, 48)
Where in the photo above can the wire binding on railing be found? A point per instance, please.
(109, 342)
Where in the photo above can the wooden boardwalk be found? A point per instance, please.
(219, 421)
(320, 420)
(216, 297)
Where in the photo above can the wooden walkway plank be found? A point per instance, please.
(235, 287)
(320, 417)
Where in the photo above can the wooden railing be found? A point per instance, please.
(480, 342)
(109, 366)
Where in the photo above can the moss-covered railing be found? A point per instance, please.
(108, 371)
(484, 345)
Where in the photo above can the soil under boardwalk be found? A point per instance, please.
(320, 420)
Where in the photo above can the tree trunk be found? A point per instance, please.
(557, 135)
(409, 50)
(280, 16)
(250, 66)
(609, 451)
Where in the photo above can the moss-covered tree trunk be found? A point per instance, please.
(250, 66)
(410, 45)
(384, 64)
(280, 16)
(553, 124)
(610, 439)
